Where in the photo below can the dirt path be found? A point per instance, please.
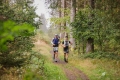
(71, 72)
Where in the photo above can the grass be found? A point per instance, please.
(95, 66)
(100, 55)
(51, 71)
(98, 69)
(41, 66)
(54, 72)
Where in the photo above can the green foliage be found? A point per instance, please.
(80, 26)
(19, 11)
(30, 75)
(98, 69)
(63, 19)
(14, 42)
(57, 21)
(15, 35)
(10, 30)
(41, 68)
(102, 55)
(53, 72)
(101, 27)
(34, 69)
(17, 25)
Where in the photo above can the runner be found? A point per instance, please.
(55, 42)
(65, 45)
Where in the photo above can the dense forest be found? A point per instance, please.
(93, 26)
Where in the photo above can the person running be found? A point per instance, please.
(65, 45)
(55, 42)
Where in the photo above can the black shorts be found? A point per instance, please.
(66, 50)
(56, 45)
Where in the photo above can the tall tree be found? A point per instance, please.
(15, 31)
(59, 10)
(90, 40)
(72, 18)
(63, 13)
(73, 10)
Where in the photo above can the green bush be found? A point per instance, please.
(15, 41)
(100, 55)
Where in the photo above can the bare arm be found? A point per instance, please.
(62, 44)
(70, 42)
(52, 42)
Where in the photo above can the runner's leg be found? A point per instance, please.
(64, 56)
(64, 49)
(56, 56)
(53, 53)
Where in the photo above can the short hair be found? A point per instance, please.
(66, 36)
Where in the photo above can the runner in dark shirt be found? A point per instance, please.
(65, 45)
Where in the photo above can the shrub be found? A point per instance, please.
(100, 55)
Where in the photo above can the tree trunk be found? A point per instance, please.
(72, 18)
(90, 45)
(2, 18)
(63, 14)
(59, 9)
(92, 4)
(90, 41)
(73, 10)
(83, 46)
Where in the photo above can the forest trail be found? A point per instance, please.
(71, 71)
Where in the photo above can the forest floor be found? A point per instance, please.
(77, 68)
(43, 67)
(70, 71)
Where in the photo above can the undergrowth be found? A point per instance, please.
(98, 65)
(49, 70)
(100, 55)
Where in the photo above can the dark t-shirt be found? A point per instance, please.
(66, 43)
